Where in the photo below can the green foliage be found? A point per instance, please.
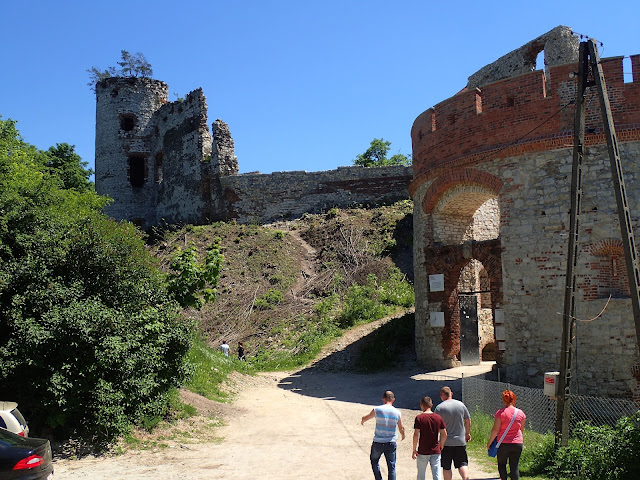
(88, 341)
(192, 283)
(376, 155)
(130, 65)
(600, 452)
(361, 304)
(209, 369)
(268, 300)
(65, 163)
(396, 290)
(278, 235)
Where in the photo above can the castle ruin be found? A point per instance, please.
(162, 166)
(492, 177)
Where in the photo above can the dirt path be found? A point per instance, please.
(293, 425)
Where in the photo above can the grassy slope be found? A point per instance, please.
(282, 285)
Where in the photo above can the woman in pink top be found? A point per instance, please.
(511, 447)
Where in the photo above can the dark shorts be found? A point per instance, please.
(456, 454)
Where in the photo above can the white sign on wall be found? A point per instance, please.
(499, 315)
(437, 319)
(502, 346)
(436, 282)
(500, 332)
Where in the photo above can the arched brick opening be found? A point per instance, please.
(463, 213)
(450, 260)
(463, 177)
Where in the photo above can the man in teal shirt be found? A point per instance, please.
(384, 440)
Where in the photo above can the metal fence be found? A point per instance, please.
(486, 396)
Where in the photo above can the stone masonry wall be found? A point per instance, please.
(281, 195)
(481, 140)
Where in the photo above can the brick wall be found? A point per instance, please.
(492, 172)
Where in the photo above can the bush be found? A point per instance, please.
(269, 299)
(89, 340)
(601, 452)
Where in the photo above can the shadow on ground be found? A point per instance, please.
(332, 379)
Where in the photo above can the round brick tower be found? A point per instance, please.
(492, 176)
(125, 145)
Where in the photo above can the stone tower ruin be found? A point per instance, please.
(161, 166)
(157, 159)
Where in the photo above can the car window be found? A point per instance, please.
(3, 424)
(16, 413)
(8, 438)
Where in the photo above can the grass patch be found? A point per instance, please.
(210, 369)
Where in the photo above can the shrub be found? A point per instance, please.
(268, 300)
(89, 340)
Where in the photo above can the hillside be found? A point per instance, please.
(282, 282)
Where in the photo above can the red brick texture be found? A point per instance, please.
(528, 113)
(450, 261)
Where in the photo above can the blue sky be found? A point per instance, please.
(303, 85)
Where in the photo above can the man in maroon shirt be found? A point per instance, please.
(429, 436)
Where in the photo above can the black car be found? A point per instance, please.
(24, 458)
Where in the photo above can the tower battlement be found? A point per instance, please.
(526, 113)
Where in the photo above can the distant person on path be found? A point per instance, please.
(429, 435)
(511, 446)
(384, 439)
(225, 348)
(241, 351)
(458, 421)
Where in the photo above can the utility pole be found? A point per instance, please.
(563, 399)
(589, 74)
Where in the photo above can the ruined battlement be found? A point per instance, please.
(162, 165)
(529, 112)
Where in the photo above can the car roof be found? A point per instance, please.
(8, 405)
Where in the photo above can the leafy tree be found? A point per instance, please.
(376, 155)
(68, 165)
(192, 283)
(90, 340)
(130, 65)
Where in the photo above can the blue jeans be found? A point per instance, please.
(423, 461)
(389, 450)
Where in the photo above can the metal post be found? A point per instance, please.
(568, 318)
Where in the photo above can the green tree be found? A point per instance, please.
(90, 340)
(130, 65)
(69, 167)
(193, 283)
(376, 155)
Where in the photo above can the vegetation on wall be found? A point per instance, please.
(130, 65)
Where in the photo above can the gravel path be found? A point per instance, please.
(290, 425)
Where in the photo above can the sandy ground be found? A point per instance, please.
(302, 425)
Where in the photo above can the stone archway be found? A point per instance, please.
(462, 245)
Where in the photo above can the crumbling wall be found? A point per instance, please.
(281, 195)
(560, 47)
(184, 145)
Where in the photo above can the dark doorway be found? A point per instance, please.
(137, 170)
(469, 341)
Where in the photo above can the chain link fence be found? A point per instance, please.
(486, 397)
